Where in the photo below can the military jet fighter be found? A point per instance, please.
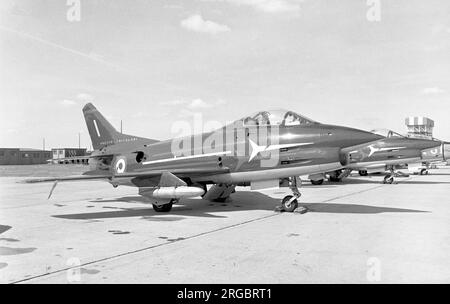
(257, 151)
(388, 153)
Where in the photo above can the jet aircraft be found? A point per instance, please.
(257, 151)
(387, 153)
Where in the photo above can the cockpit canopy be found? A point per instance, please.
(276, 118)
(387, 133)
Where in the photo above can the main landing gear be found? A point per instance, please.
(290, 202)
(389, 178)
(423, 172)
(363, 172)
(165, 207)
(335, 176)
(317, 182)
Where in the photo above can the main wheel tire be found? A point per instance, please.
(423, 172)
(334, 176)
(317, 182)
(289, 207)
(388, 179)
(335, 179)
(163, 208)
(363, 173)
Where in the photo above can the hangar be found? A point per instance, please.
(23, 156)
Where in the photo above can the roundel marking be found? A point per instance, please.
(120, 165)
(434, 151)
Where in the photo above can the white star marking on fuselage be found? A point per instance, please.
(257, 148)
(373, 149)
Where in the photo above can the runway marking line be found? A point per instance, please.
(179, 240)
(144, 249)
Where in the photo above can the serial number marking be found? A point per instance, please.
(226, 293)
(246, 293)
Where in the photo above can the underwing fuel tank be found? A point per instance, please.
(175, 192)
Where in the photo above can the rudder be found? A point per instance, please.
(102, 133)
(100, 130)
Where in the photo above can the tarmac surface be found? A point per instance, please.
(357, 231)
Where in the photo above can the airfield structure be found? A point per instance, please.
(23, 156)
(63, 155)
(419, 127)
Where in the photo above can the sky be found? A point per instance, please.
(360, 63)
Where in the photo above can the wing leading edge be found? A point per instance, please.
(152, 173)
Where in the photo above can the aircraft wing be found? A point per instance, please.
(149, 174)
(142, 174)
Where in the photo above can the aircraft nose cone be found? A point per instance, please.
(428, 144)
(357, 136)
(347, 137)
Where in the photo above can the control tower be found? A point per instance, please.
(419, 126)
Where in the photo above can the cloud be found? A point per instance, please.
(268, 6)
(440, 29)
(432, 91)
(80, 98)
(173, 6)
(85, 97)
(193, 104)
(196, 23)
(199, 104)
(176, 102)
(68, 102)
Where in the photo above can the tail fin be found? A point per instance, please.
(102, 133)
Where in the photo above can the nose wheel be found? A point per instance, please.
(290, 202)
(388, 179)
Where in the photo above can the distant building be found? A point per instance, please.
(419, 126)
(20, 156)
(69, 156)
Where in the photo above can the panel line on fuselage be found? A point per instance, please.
(185, 157)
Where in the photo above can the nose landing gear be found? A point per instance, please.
(388, 179)
(290, 202)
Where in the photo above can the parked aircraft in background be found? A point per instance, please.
(388, 154)
(255, 151)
